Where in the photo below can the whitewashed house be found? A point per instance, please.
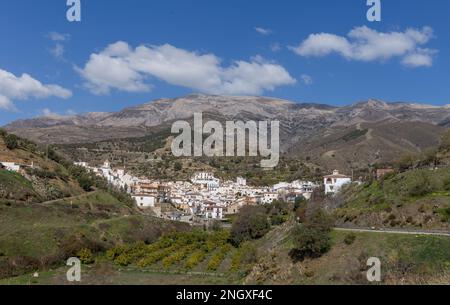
(214, 212)
(11, 166)
(82, 164)
(145, 201)
(333, 183)
(268, 198)
(206, 180)
(241, 181)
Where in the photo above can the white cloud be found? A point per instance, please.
(55, 36)
(59, 40)
(121, 67)
(420, 58)
(365, 44)
(26, 87)
(307, 79)
(275, 47)
(46, 112)
(263, 31)
(58, 50)
(6, 103)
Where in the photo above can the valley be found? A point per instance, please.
(53, 209)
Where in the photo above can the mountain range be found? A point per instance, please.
(372, 131)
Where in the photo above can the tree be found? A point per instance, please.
(251, 223)
(312, 239)
(406, 162)
(320, 221)
(11, 142)
(309, 242)
(85, 182)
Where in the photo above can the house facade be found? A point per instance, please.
(11, 166)
(144, 200)
(334, 183)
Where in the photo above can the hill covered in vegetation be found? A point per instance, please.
(415, 195)
(52, 210)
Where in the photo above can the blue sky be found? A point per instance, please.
(125, 53)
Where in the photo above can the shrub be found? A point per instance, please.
(41, 173)
(85, 183)
(85, 255)
(406, 162)
(123, 259)
(420, 186)
(445, 214)
(172, 259)
(53, 155)
(217, 258)
(11, 141)
(299, 203)
(350, 239)
(178, 166)
(196, 258)
(445, 141)
(244, 257)
(277, 220)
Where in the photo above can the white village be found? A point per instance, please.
(206, 197)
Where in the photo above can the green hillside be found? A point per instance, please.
(54, 210)
(37, 236)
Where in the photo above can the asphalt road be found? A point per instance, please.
(395, 231)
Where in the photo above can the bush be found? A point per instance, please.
(41, 173)
(445, 141)
(244, 257)
(178, 166)
(406, 162)
(84, 179)
(217, 258)
(445, 214)
(178, 256)
(85, 182)
(53, 155)
(277, 220)
(300, 202)
(11, 141)
(196, 258)
(350, 239)
(85, 255)
(421, 186)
